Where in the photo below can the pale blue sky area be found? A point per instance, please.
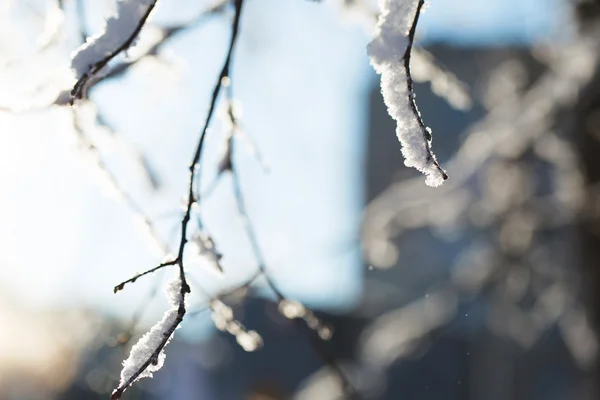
(494, 21)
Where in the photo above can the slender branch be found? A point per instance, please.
(411, 93)
(228, 164)
(185, 288)
(193, 172)
(121, 285)
(252, 237)
(193, 166)
(250, 232)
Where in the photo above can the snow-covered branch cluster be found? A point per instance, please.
(390, 55)
(98, 59)
(507, 204)
(147, 355)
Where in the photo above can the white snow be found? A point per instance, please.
(119, 28)
(147, 345)
(386, 51)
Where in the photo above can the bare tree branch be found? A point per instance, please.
(121, 285)
(185, 288)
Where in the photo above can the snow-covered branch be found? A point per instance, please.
(119, 34)
(147, 355)
(167, 33)
(390, 52)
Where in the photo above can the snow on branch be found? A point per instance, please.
(390, 52)
(119, 34)
(167, 34)
(147, 355)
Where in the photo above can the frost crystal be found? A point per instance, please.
(387, 52)
(145, 348)
(118, 31)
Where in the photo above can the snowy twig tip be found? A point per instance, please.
(390, 52)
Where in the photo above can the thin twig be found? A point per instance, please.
(411, 93)
(250, 233)
(192, 198)
(121, 285)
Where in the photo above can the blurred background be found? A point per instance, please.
(484, 289)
